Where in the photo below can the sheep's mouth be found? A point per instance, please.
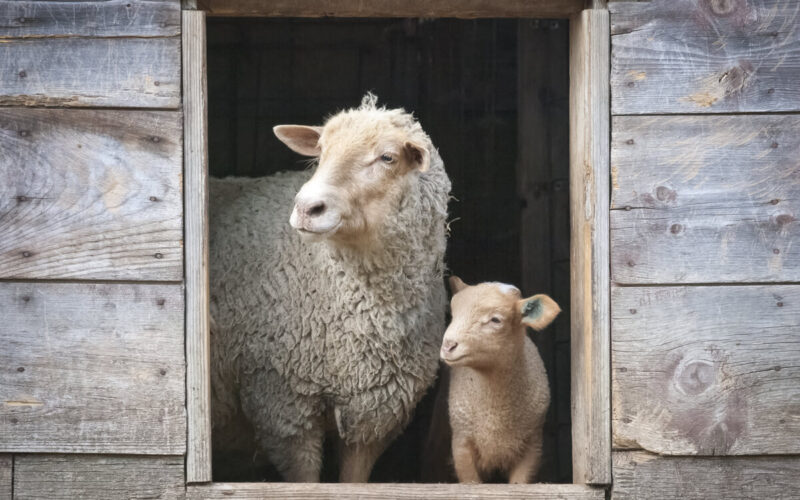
(326, 232)
(451, 361)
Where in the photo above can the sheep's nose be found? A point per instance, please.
(314, 209)
(449, 345)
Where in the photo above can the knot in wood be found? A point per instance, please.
(695, 377)
(723, 7)
(663, 193)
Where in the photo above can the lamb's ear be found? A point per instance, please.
(538, 311)
(301, 139)
(419, 156)
(456, 285)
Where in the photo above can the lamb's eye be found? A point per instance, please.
(495, 319)
(387, 158)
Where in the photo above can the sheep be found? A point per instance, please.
(499, 392)
(327, 292)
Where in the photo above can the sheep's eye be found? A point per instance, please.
(495, 319)
(387, 158)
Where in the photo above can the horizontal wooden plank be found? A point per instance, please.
(107, 18)
(698, 56)
(392, 8)
(91, 194)
(110, 72)
(702, 199)
(706, 370)
(66, 477)
(396, 491)
(643, 475)
(6, 469)
(92, 368)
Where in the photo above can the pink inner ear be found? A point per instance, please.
(416, 154)
(301, 139)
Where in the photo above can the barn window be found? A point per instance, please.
(516, 100)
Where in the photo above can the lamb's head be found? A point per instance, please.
(488, 325)
(366, 158)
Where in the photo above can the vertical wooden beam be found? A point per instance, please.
(589, 212)
(6, 475)
(198, 453)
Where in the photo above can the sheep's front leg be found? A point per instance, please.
(357, 460)
(525, 470)
(465, 461)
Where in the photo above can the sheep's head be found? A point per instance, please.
(489, 320)
(366, 157)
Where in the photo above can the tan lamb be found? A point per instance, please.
(498, 388)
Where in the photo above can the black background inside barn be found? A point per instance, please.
(493, 96)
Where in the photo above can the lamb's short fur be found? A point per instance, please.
(499, 392)
(311, 336)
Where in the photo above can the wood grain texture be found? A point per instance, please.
(698, 56)
(198, 455)
(6, 472)
(392, 8)
(97, 72)
(707, 370)
(643, 475)
(92, 368)
(95, 18)
(395, 491)
(67, 477)
(589, 280)
(705, 199)
(90, 194)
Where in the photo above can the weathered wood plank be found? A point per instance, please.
(198, 455)
(640, 475)
(707, 370)
(106, 18)
(112, 72)
(396, 491)
(392, 8)
(589, 280)
(90, 194)
(92, 368)
(6, 469)
(696, 56)
(726, 188)
(66, 477)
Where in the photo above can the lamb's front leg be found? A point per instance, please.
(525, 470)
(465, 461)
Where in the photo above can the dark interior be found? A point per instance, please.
(493, 96)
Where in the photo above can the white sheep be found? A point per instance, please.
(499, 392)
(329, 319)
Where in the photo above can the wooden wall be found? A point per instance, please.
(705, 292)
(92, 386)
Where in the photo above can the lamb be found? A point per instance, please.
(328, 307)
(498, 386)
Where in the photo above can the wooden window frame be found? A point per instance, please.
(589, 260)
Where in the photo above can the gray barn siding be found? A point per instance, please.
(705, 292)
(92, 370)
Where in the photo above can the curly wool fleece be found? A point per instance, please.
(304, 329)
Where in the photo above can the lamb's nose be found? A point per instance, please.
(449, 345)
(315, 209)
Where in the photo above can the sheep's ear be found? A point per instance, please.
(456, 285)
(301, 139)
(419, 156)
(538, 311)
